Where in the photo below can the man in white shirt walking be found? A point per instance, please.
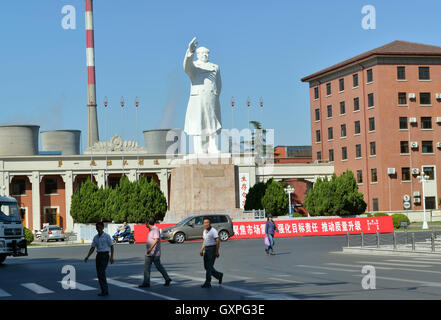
(210, 251)
(103, 244)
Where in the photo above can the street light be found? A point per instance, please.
(423, 178)
(289, 190)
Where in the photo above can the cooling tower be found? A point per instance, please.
(19, 140)
(66, 141)
(160, 140)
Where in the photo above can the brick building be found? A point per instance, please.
(293, 154)
(379, 115)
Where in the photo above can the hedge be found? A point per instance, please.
(29, 236)
(397, 218)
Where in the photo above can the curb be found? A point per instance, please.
(386, 252)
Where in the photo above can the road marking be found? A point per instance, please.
(425, 283)
(246, 292)
(386, 268)
(231, 276)
(394, 264)
(81, 287)
(4, 294)
(423, 262)
(156, 280)
(314, 272)
(36, 288)
(134, 287)
(284, 280)
(327, 268)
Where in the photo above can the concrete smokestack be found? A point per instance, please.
(92, 130)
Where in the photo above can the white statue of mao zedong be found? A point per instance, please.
(203, 118)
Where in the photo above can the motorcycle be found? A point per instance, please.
(121, 238)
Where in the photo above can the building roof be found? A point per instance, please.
(400, 48)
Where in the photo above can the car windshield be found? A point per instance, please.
(9, 212)
(184, 221)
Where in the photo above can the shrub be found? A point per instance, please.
(29, 236)
(275, 200)
(397, 218)
(297, 215)
(381, 214)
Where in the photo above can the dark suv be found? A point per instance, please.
(192, 228)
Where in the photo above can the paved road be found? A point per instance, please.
(304, 268)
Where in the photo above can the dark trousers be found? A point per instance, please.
(148, 266)
(209, 259)
(102, 260)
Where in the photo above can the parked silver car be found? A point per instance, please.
(52, 233)
(193, 227)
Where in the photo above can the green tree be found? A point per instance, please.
(87, 205)
(338, 196)
(275, 201)
(254, 196)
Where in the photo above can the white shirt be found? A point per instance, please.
(210, 237)
(103, 243)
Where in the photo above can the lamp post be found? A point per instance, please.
(289, 190)
(423, 178)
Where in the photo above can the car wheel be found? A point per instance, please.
(223, 235)
(179, 237)
(2, 258)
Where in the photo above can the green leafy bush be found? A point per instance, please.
(381, 214)
(29, 236)
(369, 215)
(297, 215)
(275, 200)
(254, 197)
(336, 197)
(397, 218)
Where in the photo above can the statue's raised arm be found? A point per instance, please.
(189, 56)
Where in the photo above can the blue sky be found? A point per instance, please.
(262, 47)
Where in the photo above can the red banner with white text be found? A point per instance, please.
(297, 227)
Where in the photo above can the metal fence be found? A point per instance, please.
(423, 241)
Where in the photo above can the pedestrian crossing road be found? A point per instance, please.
(317, 272)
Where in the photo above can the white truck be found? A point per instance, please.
(12, 239)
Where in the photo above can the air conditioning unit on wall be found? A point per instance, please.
(412, 96)
(438, 96)
(416, 200)
(412, 120)
(415, 171)
(391, 171)
(414, 144)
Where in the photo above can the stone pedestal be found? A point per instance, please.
(203, 188)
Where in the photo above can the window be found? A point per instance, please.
(370, 75)
(317, 114)
(330, 133)
(402, 98)
(331, 155)
(374, 177)
(370, 100)
(318, 137)
(373, 148)
(357, 127)
(405, 174)
(19, 187)
(343, 130)
(404, 147)
(358, 151)
(328, 89)
(430, 203)
(50, 186)
(401, 73)
(403, 123)
(427, 146)
(316, 93)
(424, 73)
(342, 107)
(430, 172)
(356, 104)
(425, 98)
(344, 153)
(355, 80)
(371, 124)
(359, 176)
(341, 83)
(319, 156)
(426, 122)
(329, 111)
(375, 204)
